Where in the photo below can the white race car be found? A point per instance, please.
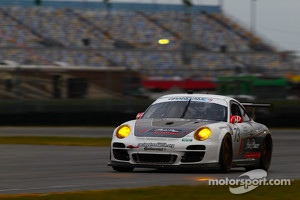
(192, 131)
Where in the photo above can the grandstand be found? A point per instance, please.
(204, 44)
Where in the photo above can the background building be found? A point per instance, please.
(82, 50)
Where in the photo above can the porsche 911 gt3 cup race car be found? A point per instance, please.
(192, 131)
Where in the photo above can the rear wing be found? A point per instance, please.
(251, 107)
(257, 105)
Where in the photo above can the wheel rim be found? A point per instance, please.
(266, 152)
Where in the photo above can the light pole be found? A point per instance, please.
(187, 46)
(253, 17)
(253, 32)
(221, 4)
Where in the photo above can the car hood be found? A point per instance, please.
(171, 128)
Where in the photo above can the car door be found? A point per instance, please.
(241, 130)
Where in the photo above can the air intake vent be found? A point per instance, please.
(118, 145)
(196, 147)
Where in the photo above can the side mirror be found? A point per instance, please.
(139, 115)
(235, 119)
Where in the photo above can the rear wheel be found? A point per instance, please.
(225, 157)
(266, 153)
(123, 169)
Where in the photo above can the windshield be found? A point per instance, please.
(187, 110)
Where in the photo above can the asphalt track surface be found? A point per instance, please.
(28, 169)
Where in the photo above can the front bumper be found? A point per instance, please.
(191, 156)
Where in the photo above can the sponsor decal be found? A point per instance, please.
(252, 155)
(191, 98)
(247, 146)
(162, 131)
(250, 144)
(230, 130)
(235, 119)
(159, 146)
(179, 99)
(187, 139)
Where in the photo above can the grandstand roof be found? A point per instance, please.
(114, 6)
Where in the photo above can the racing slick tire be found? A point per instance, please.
(225, 156)
(123, 169)
(266, 153)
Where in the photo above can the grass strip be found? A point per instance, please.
(177, 192)
(49, 140)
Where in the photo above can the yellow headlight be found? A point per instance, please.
(202, 133)
(123, 131)
(163, 41)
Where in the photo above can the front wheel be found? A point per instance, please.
(225, 157)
